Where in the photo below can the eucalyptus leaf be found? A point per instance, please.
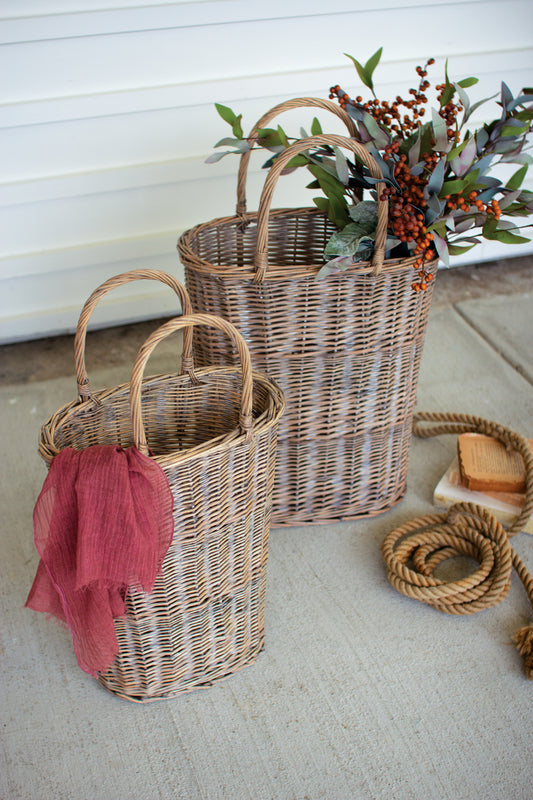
(441, 248)
(339, 264)
(228, 142)
(508, 199)
(465, 100)
(515, 182)
(436, 180)
(343, 172)
(462, 163)
(482, 137)
(378, 136)
(214, 157)
(440, 132)
(475, 106)
(506, 96)
(464, 225)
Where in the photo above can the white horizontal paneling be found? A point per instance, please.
(25, 21)
(93, 64)
(107, 117)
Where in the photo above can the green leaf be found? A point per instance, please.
(365, 72)
(316, 127)
(294, 163)
(515, 182)
(512, 130)
(330, 186)
(457, 250)
(334, 191)
(466, 82)
(373, 61)
(457, 150)
(226, 113)
(506, 237)
(237, 127)
(270, 139)
(494, 233)
(449, 89)
(283, 137)
(452, 187)
(322, 203)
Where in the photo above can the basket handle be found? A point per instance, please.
(84, 389)
(187, 323)
(288, 105)
(261, 252)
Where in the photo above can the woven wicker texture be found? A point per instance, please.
(414, 551)
(213, 432)
(346, 349)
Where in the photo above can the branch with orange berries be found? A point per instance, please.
(443, 182)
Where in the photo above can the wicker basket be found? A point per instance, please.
(213, 432)
(345, 349)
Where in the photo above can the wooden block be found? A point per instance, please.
(486, 465)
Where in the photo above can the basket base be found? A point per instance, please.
(296, 521)
(186, 687)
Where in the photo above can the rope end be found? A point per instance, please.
(524, 643)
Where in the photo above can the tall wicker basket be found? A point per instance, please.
(213, 432)
(346, 349)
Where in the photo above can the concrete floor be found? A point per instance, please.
(360, 693)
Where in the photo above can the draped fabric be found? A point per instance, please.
(102, 523)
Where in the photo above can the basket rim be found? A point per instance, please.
(275, 272)
(267, 419)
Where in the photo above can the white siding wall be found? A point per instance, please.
(107, 116)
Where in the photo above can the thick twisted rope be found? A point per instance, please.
(413, 551)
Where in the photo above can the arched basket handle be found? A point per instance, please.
(187, 323)
(84, 389)
(288, 105)
(261, 252)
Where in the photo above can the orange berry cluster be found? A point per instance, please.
(389, 114)
(457, 201)
(406, 209)
(448, 112)
(406, 206)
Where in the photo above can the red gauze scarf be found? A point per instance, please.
(102, 522)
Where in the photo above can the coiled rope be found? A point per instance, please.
(413, 551)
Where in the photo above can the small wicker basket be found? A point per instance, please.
(213, 432)
(346, 349)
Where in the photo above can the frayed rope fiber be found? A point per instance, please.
(413, 551)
